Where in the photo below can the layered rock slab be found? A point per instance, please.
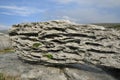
(12, 66)
(62, 42)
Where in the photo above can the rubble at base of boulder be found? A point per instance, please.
(62, 42)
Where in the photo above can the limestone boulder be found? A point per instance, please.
(64, 42)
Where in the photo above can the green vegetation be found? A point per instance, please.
(7, 50)
(109, 25)
(8, 77)
(116, 27)
(36, 45)
(48, 55)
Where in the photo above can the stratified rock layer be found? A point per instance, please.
(62, 42)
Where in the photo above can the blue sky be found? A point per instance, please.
(81, 11)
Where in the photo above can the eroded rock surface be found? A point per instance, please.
(11, 65)
(63, 42)
(5, 42)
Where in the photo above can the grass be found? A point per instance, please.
(50, 56)
(7, 50)
(116, 27)
(8, 77)
(36, 45)
(109, 25)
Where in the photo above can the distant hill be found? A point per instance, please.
(109, 25)
(4, 31)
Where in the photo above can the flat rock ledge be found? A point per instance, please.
(65, 42)
(12, 66)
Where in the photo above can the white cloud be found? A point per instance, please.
(21, 11)
(65, 17)
(85, 15)
(89, 11)
(64, 1)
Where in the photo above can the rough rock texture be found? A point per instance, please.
(11, 65)
(62, 42)
(5, 42)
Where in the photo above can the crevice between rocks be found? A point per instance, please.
(66, 75)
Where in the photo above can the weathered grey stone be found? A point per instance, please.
(63, 42)
(5, 42)
(11, 65)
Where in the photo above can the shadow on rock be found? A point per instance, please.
(115, 72)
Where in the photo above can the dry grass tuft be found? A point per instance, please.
(8, 77)
(7, 50)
